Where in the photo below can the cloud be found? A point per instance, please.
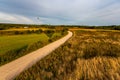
(4, 17)
(108, 15)
(91, 12)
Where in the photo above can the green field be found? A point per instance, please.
(18, 41)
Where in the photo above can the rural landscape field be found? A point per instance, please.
(60, 40)
(88, 55)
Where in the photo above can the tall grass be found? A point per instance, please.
(88, 55)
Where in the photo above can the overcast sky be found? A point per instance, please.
(75, 12)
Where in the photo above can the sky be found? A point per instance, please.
(60, 12)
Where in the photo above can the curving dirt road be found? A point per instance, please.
(14, 68)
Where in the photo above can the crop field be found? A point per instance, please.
(88, 55)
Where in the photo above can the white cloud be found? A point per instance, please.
(5, 17)
(108, 15)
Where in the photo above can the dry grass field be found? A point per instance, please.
(88, 55)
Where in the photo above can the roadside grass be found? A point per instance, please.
(88, 55)
(55, 35)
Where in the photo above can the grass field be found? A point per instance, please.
(88, 55)
(17, 41)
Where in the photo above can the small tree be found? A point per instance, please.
(49, 33)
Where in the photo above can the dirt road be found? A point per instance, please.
(14, 68)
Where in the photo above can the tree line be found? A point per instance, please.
(4, 26)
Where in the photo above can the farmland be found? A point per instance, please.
(88, 55)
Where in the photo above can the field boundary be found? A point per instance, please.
(14, 68)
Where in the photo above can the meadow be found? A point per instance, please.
(18, 41)
(88, 55)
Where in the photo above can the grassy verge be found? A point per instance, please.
(88, 55)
